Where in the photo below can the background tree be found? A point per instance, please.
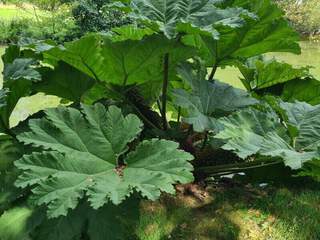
(96, 16)
(304, 15)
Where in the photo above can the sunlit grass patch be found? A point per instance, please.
(234, 214)
(11, 12)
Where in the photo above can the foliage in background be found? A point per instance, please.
(96, 16)
(60, 20)
(304, 15)
(39, 21)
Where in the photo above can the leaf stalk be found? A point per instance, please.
(165, 90)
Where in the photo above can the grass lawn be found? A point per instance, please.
(235, 213)
(10, 12)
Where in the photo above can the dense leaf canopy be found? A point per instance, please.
(79, 171)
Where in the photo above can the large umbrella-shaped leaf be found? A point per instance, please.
(107, 59)
(18, 76)
(305, 118)
(208, 100)
(194, 16)
(9, 152)
(21, 68)
(306, 90)
(84, 158)
(281, 79)
(64, 81)
(251, 131)
(109, 222)
(268, 32)
(259, 74)
(83, 54)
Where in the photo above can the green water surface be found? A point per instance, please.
(310, 57)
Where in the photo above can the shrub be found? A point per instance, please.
(304, 15)
(11, 31)
(58, 26)
(96, 16)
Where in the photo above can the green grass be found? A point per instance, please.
(237, 213)
(8, 13)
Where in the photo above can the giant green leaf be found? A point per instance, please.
(121, 62)
(63, 228)
(194, 16)
(259, 74)
(311, 169)
(251, 132)
(9, 152)
(21, 68)
(306, 119)
(109, 222)
(268, 32)
(306, 90)
(18, 76)
(64, 81)
(83, 54)
(208, 100)
(83, 157)
(132, 62)
(281, 79)
(130, 32)
(11, 53)
(3, 104)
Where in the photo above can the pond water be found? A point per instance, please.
(310, 56)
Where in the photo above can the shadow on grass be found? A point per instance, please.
(236, 212)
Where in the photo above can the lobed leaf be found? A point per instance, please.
(307, 90)
(126, 62)
(269, 31)
(82, 156)
(172, 17)
(111, 222)
(9, 152)
(265, 74)
(208, 100)
(251, 131)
